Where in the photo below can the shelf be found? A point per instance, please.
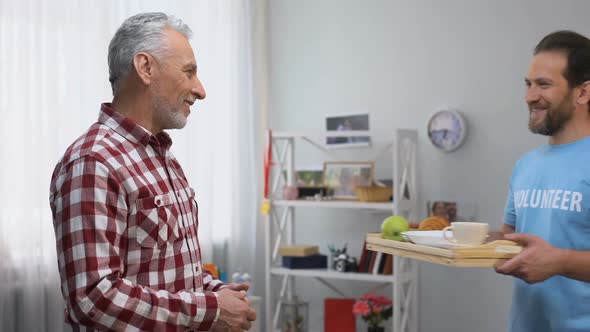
(395, 148)
(335, 204)
(315, 133)
(326, 274)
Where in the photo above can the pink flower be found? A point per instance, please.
(381, 301)
(369, 297)
(361, 308)
(373, 308)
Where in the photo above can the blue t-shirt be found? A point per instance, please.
(549, 196)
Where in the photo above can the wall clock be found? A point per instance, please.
(447, 130)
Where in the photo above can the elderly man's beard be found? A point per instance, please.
(168, 116)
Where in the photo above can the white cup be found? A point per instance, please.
(467, 233)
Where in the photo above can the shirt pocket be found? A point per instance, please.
(194, 206)
(157, 224)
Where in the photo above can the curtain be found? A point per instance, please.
(53, 62)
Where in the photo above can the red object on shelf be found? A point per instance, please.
(363, 259)
(267, 162)
(338, 316)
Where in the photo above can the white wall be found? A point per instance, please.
(401, 61)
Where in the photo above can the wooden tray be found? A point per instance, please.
(486, 255)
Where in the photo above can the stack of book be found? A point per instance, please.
(303, 257)
(375, 262)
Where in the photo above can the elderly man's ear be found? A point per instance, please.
(144, 65)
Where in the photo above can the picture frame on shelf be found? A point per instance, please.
(342, 177)
(310, 183)
(452, 210)
(309, 177)
(346, 122)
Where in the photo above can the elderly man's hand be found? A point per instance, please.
(235, 312)
(237, 287)
(537, 262)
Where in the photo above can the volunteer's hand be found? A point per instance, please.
(537, 262)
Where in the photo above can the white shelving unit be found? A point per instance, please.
(280, 221)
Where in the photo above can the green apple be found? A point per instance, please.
(393, 237)
(393, 226)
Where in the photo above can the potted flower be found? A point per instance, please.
(374, 309)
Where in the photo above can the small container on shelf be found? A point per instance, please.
(294, 315)
(290, 192)
(374, 193)
(317, 261)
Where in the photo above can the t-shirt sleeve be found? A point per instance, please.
(509, 210)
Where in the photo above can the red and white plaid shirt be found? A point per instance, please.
(126, 224)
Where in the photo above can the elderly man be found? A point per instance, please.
(124, 214)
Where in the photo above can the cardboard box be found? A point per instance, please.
(298, 251)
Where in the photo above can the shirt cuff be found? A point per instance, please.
(217, 308)
(212, 313)
(219, 286)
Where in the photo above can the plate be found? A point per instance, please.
(425, 238)
(431, 239)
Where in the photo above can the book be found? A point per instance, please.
(363, 259)
(338, 316)
(372, 261)
(382, 263)
(388, 267)
(298, 251)
(377, 262)
(370, 255)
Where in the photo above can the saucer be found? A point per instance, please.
(424, 238)
(433, 239)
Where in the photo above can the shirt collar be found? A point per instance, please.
(130, 129)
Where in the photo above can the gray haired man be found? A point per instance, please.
(125, 216)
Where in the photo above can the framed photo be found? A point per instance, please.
(450, 210)
(309, 178)
(342, 178)
(349, 122)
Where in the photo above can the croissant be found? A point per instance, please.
(433, 223)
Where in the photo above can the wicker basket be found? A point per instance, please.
(374, 194)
